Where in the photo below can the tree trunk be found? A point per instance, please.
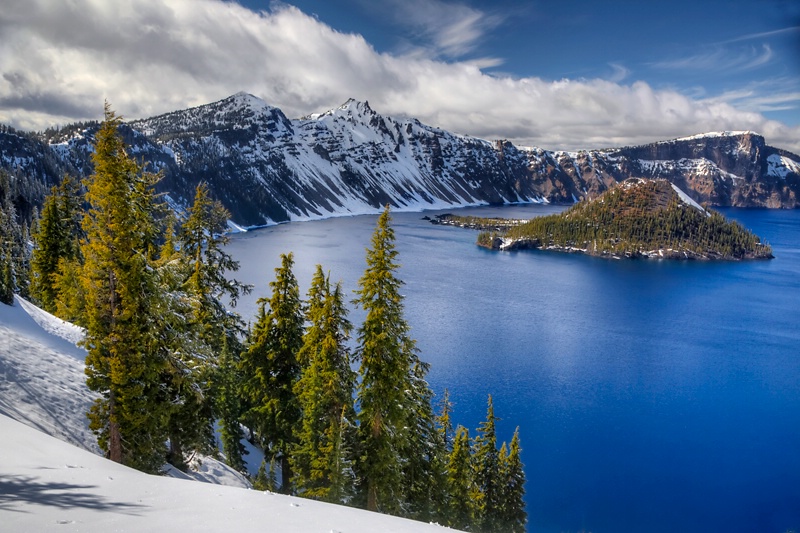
(372, 496)
(114, 435)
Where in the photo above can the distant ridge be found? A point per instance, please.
(267, 168)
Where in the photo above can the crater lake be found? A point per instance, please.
(651, 395)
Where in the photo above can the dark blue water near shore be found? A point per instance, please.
(651, 396)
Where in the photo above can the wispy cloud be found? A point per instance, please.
(721, 59)
(763, 35)
(618, 73)
(451, 29)
(60, 60)
(780, 94)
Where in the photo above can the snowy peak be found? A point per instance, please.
(351, 159)
(246, 100)
(354, 107)
(239, 111)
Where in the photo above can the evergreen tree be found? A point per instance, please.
(230, 406)
(325, 395)
(442, 445)
(56, 238)
(420, 451)
(487, 474)
(194, 273)
(71, 293)
(203, 239)
(122, 364)
(392, 390)
(460, 483)
(261, 482)
(8, 228)
(512, 489)
(188, 427)
(13, 246)
(270, 368)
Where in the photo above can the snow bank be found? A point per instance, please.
(48, 484)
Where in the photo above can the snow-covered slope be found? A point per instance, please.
(42, 382)
(49, 485)
(51, 475)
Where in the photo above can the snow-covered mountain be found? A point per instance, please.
(267, 168)
(52, 478)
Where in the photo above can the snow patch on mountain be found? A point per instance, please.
(781, 166)
(711, 135)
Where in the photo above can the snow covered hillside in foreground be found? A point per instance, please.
(51, 481)
(46, 484)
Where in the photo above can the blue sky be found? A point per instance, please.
(745, 51)
(560, 75)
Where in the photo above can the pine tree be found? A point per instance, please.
(230, 405)
(193, 272)
(122, 364)
(71, 293)
(261, 482)
(460, 483)
(13, 248)
(325, 395)
(56, 238)
(487, 474)
(442, 445)
(392, 391)
(420, 450)
(8, 228)
(203, 239)
(270, 368)
(512, 489)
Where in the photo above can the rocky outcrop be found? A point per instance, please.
(267, 168)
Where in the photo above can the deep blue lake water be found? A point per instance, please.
(651, 396)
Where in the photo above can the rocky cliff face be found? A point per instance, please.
(267, 168)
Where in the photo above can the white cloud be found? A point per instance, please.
(60, 60)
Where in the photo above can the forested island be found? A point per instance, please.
(639, 218)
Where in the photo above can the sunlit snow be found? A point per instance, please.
(51, 475)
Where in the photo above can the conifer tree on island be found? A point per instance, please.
(392, 385)
(270, 368)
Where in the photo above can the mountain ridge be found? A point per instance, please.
(267, 168)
